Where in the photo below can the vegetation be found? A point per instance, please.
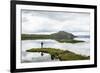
(60, 36)
(34, 36)
(60, 54)
(69, 41)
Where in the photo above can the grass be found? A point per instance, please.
(60, 54)
(70, 41)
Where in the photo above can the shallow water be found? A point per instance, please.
(82, 48)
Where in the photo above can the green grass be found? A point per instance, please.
(60, 54)
(70, 41)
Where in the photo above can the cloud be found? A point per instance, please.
(44, 21)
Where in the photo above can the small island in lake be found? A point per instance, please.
(60, 36)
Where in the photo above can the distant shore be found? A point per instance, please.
(60, 36)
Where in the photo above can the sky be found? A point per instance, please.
(47, 22)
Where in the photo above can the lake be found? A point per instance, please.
(82, 48)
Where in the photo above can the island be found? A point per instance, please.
(60, 36)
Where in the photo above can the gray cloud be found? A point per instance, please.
(50, 21)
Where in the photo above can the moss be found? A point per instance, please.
(60, 54)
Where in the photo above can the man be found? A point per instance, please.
(42, 47)
(41, 44)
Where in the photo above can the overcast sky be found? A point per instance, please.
(46, 22)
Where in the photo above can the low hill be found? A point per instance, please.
(62, 35)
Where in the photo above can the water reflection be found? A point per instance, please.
(79, 48)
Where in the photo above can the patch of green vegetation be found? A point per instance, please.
(70, 41)
(60, 54)
(34, 37)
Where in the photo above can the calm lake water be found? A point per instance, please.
(82, 48)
